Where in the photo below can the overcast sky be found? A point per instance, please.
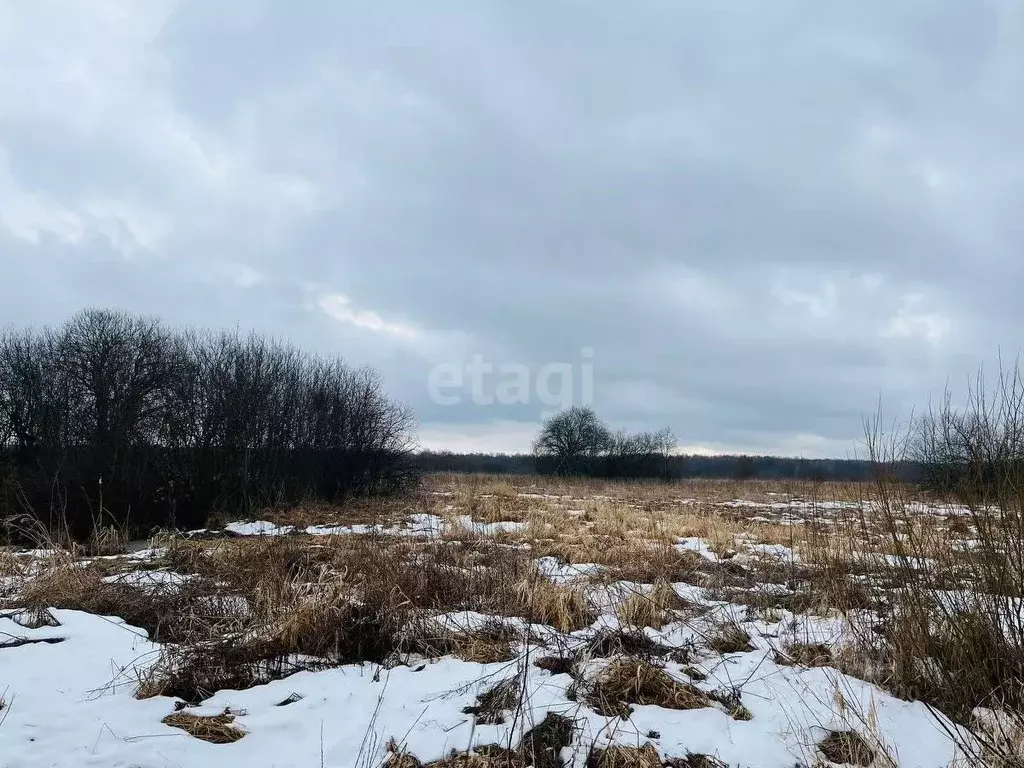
(761, 217)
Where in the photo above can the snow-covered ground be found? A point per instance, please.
(68, 687)
(72, 703)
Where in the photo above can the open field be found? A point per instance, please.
(493, 621)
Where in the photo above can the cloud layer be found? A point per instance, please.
(761, 217)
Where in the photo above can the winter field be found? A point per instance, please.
(490, 622)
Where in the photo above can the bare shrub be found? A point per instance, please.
(953, 634)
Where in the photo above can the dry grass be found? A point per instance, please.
(656, 609)
(729, 638)
(693, 760)
(216, 729)
(565, 608)
(805, 655)
(491, 643)
(105, 541)
(846, 747)
(540, 747)
(165, 615)
(350, 599)
(630, 681)
(493, 704)
(625, 757)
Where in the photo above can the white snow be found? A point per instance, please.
(257, 528)
(72, 704)
(698, 545)
(490, 529)
(565, 573)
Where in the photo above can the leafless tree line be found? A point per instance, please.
(120, 419)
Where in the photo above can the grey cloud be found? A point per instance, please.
(761, 217)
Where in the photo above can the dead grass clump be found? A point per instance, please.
(565, 608)
(830, 593)
(216, 729)
(722, 575)
(656, 609)
(846, 747)
(653, 564)
(163, 614)
(189, 556)
(630, 681)
(556, 665)
(953, 661)
(637, 645)
(624, 757)
(540, 747)
(34, 618)
(483, 648)
(105, 541)
(492, 704)
(253, 560)
(694, 760)
(194, 673)
(488, 644)
(317, 614)
(476, 575)
(398, 757)
(640, 610)
(732, 700)
(730, 638)
(483, 757)
(804, 655)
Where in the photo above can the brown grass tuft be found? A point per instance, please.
(492, 704)
(216, 729)
(565, 608)
(730, 638)
(694, 760)
(846, 747)
(105, 541)
(556, 665)
(628, 681)
(804, 655)
(624, 757)
(540, 747)
(655, 610)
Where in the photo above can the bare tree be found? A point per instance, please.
(575, 441)
(572, 441)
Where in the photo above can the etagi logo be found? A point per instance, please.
(555, 385)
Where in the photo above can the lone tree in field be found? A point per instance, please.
(572, 441)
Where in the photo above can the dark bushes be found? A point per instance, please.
(114, 419)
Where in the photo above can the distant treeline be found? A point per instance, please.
(115, 419)
(676, 466)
